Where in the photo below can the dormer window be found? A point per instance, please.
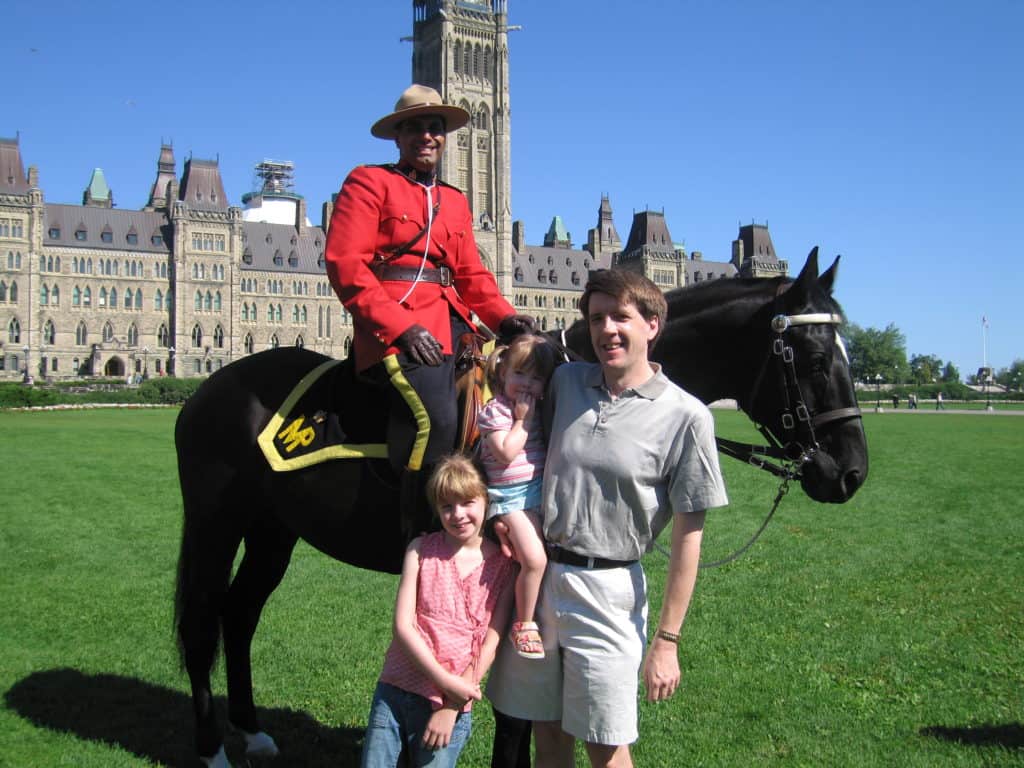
(247, 255)
(542, 275)
(80, 233)
(107, 236)
(278, 259)
(518, 274)
(54, 233)
(293, 259)
(132, 238)
(157, 239)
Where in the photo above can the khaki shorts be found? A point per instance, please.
(594, 625)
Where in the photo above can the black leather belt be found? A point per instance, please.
(564, 556)
(442, 275)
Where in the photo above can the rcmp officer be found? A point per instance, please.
(402, 258)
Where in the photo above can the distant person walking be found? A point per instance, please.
(938, 402)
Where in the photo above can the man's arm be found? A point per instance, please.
(661, 665)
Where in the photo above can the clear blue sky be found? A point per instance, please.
(888, 132)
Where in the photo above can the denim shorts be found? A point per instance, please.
(502, 499)
(398, 718)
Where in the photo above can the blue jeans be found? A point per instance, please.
(398, 718)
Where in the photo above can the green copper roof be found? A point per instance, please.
(556, 232)
(98, 188)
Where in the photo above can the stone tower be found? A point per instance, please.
(460, 47)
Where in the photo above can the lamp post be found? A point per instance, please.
(27, 377)
(170, 361)
(145, 363)
(878, 393)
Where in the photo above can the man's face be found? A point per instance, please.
(420, 142)
(620, 335)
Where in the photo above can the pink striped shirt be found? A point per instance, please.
(496, 416)
(452, 615)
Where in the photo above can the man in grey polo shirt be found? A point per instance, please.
(629, 452)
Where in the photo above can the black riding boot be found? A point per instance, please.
(415, 513)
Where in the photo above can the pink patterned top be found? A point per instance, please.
(452, 615)
(496, 416)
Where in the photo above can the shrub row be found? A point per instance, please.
(162, 390)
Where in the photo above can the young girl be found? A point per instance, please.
(454, 599)
(513, 457)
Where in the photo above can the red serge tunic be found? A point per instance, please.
(380, 209)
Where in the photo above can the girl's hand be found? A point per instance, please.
(524, 407)
(458, 690)
(438, 733)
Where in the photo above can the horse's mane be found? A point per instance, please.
(716, 294)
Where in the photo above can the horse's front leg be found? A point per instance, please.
(267, 554)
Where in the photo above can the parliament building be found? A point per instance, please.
(192, 281)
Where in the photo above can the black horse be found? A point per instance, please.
(772, 345)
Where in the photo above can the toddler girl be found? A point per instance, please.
(513, 455)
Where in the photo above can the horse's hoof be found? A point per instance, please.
(260, 745)
(220, 760)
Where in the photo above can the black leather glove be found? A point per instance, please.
(420, 345)
(515, 325)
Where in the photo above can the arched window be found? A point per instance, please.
(44, 295)
(128, 298)
(14, 331)
(103, 297)
(197, 336)
(270, 313)
(208, 301)
(108, 333)
(347, 345)
(76, 296)
(467, 60)
(278, 315)
(477, 61)
(218, 337)
(158, 300)
(133, 336)
(87, 297)
(216, 302)
(113, 298)
(162, 336)
(304, 315)
(81, 334)
(458, 56)
(138, 298)
(248, 345)
(3, 291)
(295, 314)
(49, 333)
(274, 343)
(299, 342)
(55, 295)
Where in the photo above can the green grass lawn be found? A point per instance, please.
(888, 631)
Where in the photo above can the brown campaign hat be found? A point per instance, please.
(419, 100)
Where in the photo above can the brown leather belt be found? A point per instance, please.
(567, 557)
(442, 275)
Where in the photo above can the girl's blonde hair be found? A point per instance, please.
(455, 478)
(527, 352)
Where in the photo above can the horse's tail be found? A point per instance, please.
(199, 588)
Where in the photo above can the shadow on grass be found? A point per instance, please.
(1010, 735)
(155, 723)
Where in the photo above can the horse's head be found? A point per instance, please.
(803, 394)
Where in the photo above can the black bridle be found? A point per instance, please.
(799, 443)
(798, 424)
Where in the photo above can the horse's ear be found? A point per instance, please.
(828, 277)
(808, 276)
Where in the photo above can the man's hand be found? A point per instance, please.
(420, 345)
(661, 670)
(504, 539)
(515, 325)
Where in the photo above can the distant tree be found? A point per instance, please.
(951, 374)
(1013, 377)
(873, 352)
(924, 369)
